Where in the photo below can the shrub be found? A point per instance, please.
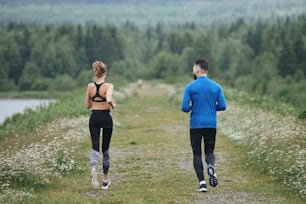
(62, 83)
(84, 78)
(302, 115)
(41, 83)
(7, 85)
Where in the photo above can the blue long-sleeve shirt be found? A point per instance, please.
(203, 97)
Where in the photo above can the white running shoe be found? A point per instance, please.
(106, 184)
(94, 180)
(202, 188)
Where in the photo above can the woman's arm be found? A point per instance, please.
(88, 103)
(109, 95)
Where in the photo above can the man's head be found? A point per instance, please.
(200, 67)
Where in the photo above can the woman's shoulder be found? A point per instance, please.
(108, 84)
(91, 84)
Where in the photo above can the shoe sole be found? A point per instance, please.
(213, 181)
(202, 190)
(106, 187)
(94, 186)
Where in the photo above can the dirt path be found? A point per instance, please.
(151, 160)
(145, 158)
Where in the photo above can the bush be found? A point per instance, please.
(7, 85)
(62, 83)
(302, 115)
(84, 78)
(40, 84)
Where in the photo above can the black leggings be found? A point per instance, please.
(100, 119)
(196, 135)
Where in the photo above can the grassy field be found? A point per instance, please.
(151, 160)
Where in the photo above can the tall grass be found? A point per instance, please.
(26, 170)
(274, 135)
(26, 166)
(262, 102)
(29, 168)
(276, 142)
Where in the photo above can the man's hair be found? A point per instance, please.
(202, 63)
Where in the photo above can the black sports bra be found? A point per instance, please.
(97, 95)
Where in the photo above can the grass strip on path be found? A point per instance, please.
(151, 161)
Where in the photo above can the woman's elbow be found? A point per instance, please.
(88, 105)
(109, 100)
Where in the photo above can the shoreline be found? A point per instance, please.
(12, 106)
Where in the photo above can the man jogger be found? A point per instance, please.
(203, 97)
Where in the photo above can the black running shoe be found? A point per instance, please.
(213, 180)
(106, 184)
(202, 188)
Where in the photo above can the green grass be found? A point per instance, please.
(262, 102)
(151, 161)
(33, 94)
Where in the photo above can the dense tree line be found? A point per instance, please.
(50, 57)
(266, 58)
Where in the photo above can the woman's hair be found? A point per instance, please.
(99, 68)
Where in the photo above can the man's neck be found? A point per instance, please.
(203, 75)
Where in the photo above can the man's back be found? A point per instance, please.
(203, 97)
(206, 98)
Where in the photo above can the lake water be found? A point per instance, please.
(8, 107)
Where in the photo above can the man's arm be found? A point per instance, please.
(186, 107)
(221, 106)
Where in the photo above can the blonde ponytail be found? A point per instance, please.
(99, 68)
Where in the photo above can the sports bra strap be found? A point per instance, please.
(97, 95)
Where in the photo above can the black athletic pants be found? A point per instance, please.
(100, 119)
(196, 135)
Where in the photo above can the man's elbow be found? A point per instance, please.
(185, 109)
(222, 108)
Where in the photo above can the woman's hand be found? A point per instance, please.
(112, 104)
